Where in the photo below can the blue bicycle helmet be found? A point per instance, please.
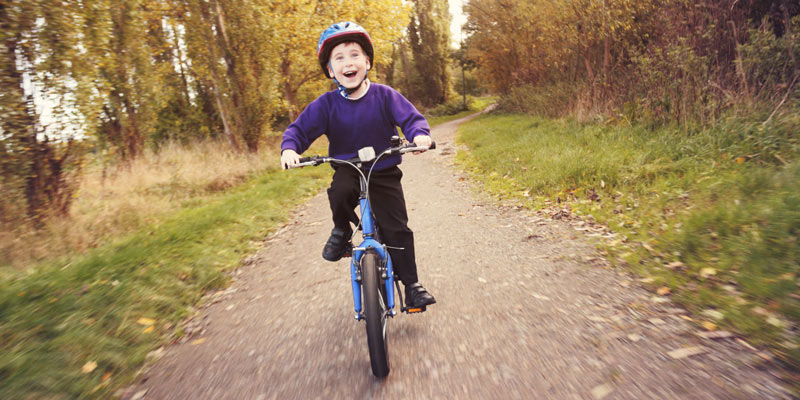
(339, 33)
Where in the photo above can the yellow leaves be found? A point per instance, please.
(663, 291)
(198, 341)
(148, 323)
(709, 326)
(707, 272)
(89, 367)
(740, 160)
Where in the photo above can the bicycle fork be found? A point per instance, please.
(385, 272)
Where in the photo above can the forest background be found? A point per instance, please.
(116, 114)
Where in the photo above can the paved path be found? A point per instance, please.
(525, 310)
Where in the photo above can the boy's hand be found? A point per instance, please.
(289, 158)
(422, 141)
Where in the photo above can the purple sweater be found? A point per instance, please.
(353, 124)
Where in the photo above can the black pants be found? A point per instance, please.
(389, 208)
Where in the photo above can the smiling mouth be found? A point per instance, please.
(350, 74)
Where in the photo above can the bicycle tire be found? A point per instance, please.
(375, 314)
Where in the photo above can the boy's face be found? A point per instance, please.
(349, 64)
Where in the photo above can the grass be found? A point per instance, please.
(714, 214)
(82, 325)
(114, 200)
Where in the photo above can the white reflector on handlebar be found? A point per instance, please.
(366, 154)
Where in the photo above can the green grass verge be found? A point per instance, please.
(714, 215)
(80, 328)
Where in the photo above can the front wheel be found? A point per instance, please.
(376, 314)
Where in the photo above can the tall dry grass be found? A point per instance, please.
(114, 200)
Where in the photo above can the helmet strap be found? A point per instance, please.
(345, 92)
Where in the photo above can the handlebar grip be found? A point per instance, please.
(304, 160)
(433, 145)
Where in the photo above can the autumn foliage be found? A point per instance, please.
(124, 76)
(668, 61)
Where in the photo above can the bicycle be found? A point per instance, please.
(371, 271)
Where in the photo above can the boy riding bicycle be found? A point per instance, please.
(356, 115)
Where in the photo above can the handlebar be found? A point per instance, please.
(402, 149)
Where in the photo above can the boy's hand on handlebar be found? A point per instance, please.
(422, 141)
(289, 158)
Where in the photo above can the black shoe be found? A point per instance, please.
(417, 296)
(338, 245)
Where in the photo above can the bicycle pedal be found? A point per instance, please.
(349, 251)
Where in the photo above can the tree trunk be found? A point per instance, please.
(236, 85)
(288, 91)
(606, 56)
(18, 124)
(181, 70)
(587, 60)
(229, 132)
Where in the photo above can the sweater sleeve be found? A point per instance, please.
(309, 125)
(406, 116)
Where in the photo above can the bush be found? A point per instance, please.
(453, 106)
(553, 100)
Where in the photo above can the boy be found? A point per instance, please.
(356, 115)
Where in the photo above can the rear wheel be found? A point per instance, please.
(376, 314)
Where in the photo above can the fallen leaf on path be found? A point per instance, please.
(747, 345)
(713, 314)
(540, 297)
(765, 356)
(88, 367)
(149, 329)
(601, 391)
(634, 337)
(659, 299)
(715, 335)
(687, 352)
(709, 326)
(663, 291)
(146, 321)
(198, 341)
(105, 377)
(656, 321)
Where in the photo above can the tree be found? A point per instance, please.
(295, 30)
(35, 41)
(429, 37)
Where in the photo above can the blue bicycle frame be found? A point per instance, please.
(387, 271)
